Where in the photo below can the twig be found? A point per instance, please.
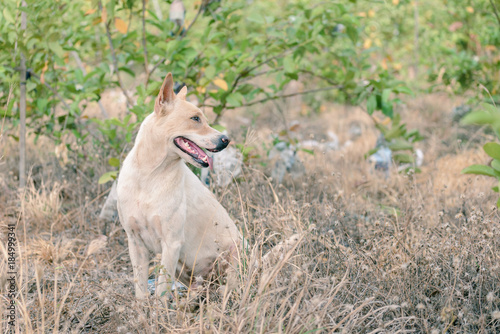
(415, 38)
(330, 81)
(22, 109)
(245, 72)
(115, 61)
(144, 46)
(275, 97)
(290, 95)
(495, 11)
(181, 36)
(192, 22)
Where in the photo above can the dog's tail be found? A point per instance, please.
(109, 211)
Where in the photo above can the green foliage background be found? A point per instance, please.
(356, 52)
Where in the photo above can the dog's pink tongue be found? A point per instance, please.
(210, 162)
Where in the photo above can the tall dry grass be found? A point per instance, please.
(408, 253)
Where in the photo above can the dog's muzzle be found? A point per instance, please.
(221, 143)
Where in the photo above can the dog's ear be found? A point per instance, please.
(166, 94)
(182, 93)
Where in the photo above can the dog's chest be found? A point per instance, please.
(160, 220)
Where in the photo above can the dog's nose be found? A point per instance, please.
(222, 143)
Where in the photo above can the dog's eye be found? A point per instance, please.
(196, 119)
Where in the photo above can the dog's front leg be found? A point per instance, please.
(170, 254)
(172, 231)
(139, 256)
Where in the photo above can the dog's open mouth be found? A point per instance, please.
(194, 151)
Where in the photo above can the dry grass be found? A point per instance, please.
(410, 253)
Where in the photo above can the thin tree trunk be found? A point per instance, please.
(22, 111)
(415, 46)
(144, 42)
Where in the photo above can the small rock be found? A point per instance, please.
(287, 161)
(355, 130)
(459, 112)
(181, 288)
(382, 158)
(226, 166)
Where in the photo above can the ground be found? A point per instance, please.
(379, 253)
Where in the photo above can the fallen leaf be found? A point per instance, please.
(90, 11)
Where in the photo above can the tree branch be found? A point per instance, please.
(22, 108)
(115, 61)
(192, 22)
(275, 97)
(319, 76)
(144, 46)
(495, 11)
(181, 36)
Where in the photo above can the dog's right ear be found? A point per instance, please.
(166, 94)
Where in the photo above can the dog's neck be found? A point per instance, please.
(147, 146)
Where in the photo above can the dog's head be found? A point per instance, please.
(185, 127)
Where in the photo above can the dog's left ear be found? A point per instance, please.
(182, 93)
(166, 94)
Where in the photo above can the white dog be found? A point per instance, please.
(163, 206)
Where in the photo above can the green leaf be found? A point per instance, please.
(388, 110)
(127, 70)
(256, 17)
(385, 96)
(234, 99)
(289, 65)
(114, 162)
(109, 176)
(496, 164)
(403, 158)
(371, 104)
(219, 127)
(210, 72)
(498, 203)
(403, 90)
(8, 16)
(480, 117)
(57, 49)
(493, 150)
(479, 170)
(400, 144)
(307, 151)
(489, 108)
(495, 189)
(352, 33)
